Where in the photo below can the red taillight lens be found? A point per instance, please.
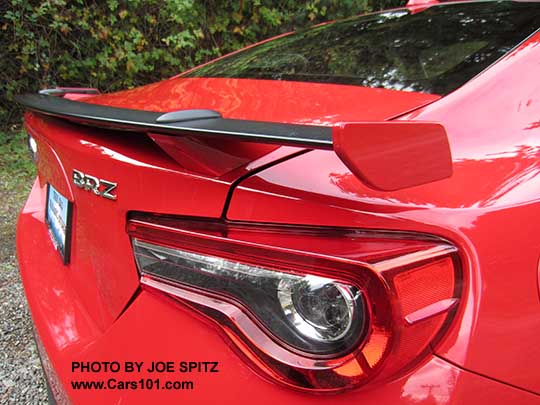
(312, 308)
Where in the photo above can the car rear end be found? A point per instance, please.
(174, 266)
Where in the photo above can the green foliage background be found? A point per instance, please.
(114, 44)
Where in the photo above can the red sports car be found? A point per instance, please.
(350, 210)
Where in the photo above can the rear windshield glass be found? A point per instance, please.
(433, 51)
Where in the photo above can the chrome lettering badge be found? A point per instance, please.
(99, 187)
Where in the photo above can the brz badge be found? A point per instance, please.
(99, 187)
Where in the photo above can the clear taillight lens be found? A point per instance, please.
(318, 309)
(313, 314)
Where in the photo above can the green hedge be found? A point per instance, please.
(113, 44)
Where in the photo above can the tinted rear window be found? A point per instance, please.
(434, 51)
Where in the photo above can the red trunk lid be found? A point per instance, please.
(192, 178)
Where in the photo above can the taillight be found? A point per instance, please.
(312, 308)
(310, 313)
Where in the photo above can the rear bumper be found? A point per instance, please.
(153, 328)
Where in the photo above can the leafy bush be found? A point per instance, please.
(115, 44)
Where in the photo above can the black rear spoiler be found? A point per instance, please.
(202, 122)
(386, 155)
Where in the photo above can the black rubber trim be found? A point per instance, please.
(136, 120)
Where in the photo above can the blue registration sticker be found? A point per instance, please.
(58, 217)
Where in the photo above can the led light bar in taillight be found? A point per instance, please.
(316, 309)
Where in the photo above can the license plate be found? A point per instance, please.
(58, 213)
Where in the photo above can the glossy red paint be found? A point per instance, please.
(94, 309)
(412, 3)
(486, 208)
(394, 155)
(269, 100)
(154, 327)
(416, 6)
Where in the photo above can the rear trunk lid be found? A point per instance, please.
(186, 175)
